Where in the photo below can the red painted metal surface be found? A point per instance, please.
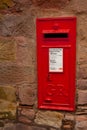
(56, 45)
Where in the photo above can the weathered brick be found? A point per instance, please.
(82, 97)
(49, 118)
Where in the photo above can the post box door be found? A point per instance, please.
(56, 89)
(56, 74)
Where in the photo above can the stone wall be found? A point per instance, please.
(18, 72)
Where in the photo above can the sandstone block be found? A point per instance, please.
(24, 119)
(50, 4)
(82, 47)
(7, 109)
(7, 102)
(7, 49)
(20, 126)
(1, 124)
(8, 93)
(82, 107)
(25, 53)
(17, 25)
(82, 97)
(82, 53)
(11, 74)
(9, 126)
(17, 60)
(82, 84)
(78, 6)
(81, 118)
(53, 129)
(1, 128)
(29, 113)
(81, 122)
(81, 125)
(26, 95)
(49, 118)
(83, 71)
(81, 110)
(23, 1)
(4, 4)
(68, 125)
(50, 13)
(36, 128)
(69, 116)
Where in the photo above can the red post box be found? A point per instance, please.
(56, 61)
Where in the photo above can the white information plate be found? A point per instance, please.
(55, 59)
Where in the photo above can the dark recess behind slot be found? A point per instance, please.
(56, 35)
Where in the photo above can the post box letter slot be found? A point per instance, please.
(55, 35)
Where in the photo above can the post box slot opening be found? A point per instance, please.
(55, 35)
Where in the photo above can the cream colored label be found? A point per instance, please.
(55, 59)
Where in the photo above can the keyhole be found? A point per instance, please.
(49, 77)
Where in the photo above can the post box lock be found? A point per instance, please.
(56, 59)
(49, 77)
